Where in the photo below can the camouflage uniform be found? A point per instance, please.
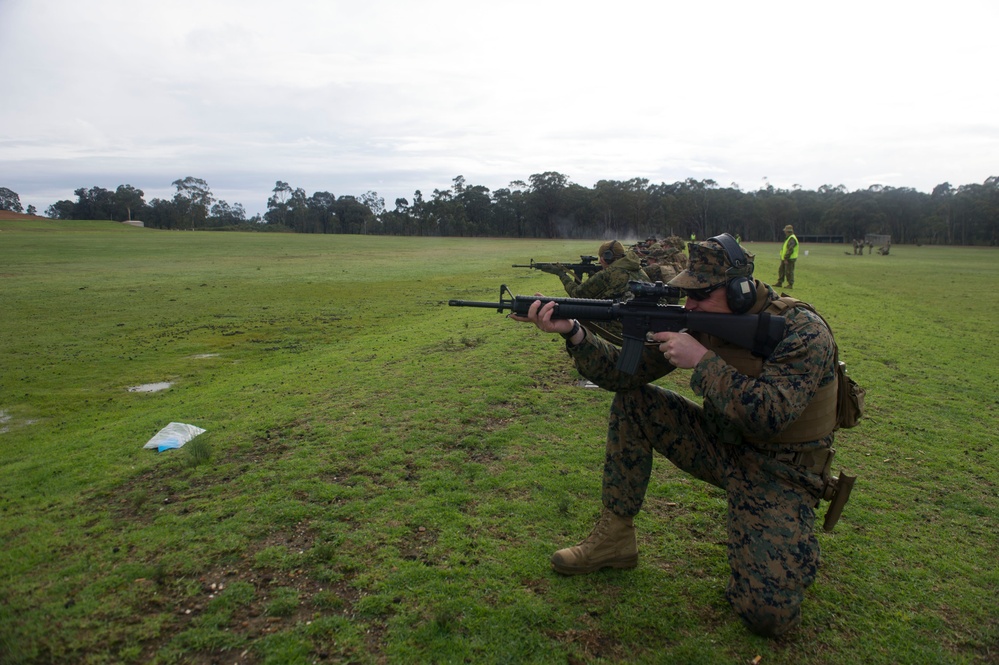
(657, 272)
(773, 553)
(611, 283)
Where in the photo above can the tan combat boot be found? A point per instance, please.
(611, 544)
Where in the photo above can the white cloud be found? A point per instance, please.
(393, 95)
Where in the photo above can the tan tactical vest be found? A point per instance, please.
(819, 417)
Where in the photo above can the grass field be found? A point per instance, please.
(383, 477)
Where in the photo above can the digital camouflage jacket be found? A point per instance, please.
(735, 405)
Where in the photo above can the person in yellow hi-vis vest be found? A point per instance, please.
(788, 255)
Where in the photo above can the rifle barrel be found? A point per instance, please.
(477, 303)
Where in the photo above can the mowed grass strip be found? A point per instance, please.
(384, 477)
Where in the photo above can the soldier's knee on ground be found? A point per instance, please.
(765, 614)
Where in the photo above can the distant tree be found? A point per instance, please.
(447, 217)
(400, 221)
(420, 211)
(322, 212)
(976, 211)
(193, 200)
(551, 206)
(775, 209)
(375, 203)
(161, 214)
(277, 204)
(225, 215)
(579, 215)
(855, 215)
(93, 203)
(510, 210)
(9, 200)
(478, 209)
(127, 200)
(353, 216)
(31, 210)
(60, 210)
(298, 212)
(545, 201)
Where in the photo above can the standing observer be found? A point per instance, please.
(762, 434)
(788, 255)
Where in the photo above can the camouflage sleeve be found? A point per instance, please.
(763, 406)
(570, 284)
(596, 359)
(595, 286)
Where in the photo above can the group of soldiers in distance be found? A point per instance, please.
(662, 260)
(649, 260)
(858, 247)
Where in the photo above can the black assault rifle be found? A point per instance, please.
(645, 313)
(588, 265)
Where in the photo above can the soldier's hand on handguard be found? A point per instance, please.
(541, 316)
(680, 349)
(552, 268)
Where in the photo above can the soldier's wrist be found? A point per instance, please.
(575, 336)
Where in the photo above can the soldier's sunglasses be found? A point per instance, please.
(702, 294)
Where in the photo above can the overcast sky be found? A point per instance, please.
(397, 95)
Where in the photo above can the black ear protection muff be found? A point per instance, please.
(740, 292)
(608, 254)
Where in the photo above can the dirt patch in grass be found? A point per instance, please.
(271, 599)
(592, 645)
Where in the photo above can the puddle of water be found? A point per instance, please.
(150, 387)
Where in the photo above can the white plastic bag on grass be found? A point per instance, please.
(173, 435)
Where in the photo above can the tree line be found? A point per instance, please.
(549, 205)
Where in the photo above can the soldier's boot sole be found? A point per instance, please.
(624, 562)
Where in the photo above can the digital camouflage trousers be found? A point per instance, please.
(773, 553)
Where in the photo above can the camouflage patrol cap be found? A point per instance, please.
(709, 265)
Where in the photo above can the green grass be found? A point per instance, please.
(383, 478)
